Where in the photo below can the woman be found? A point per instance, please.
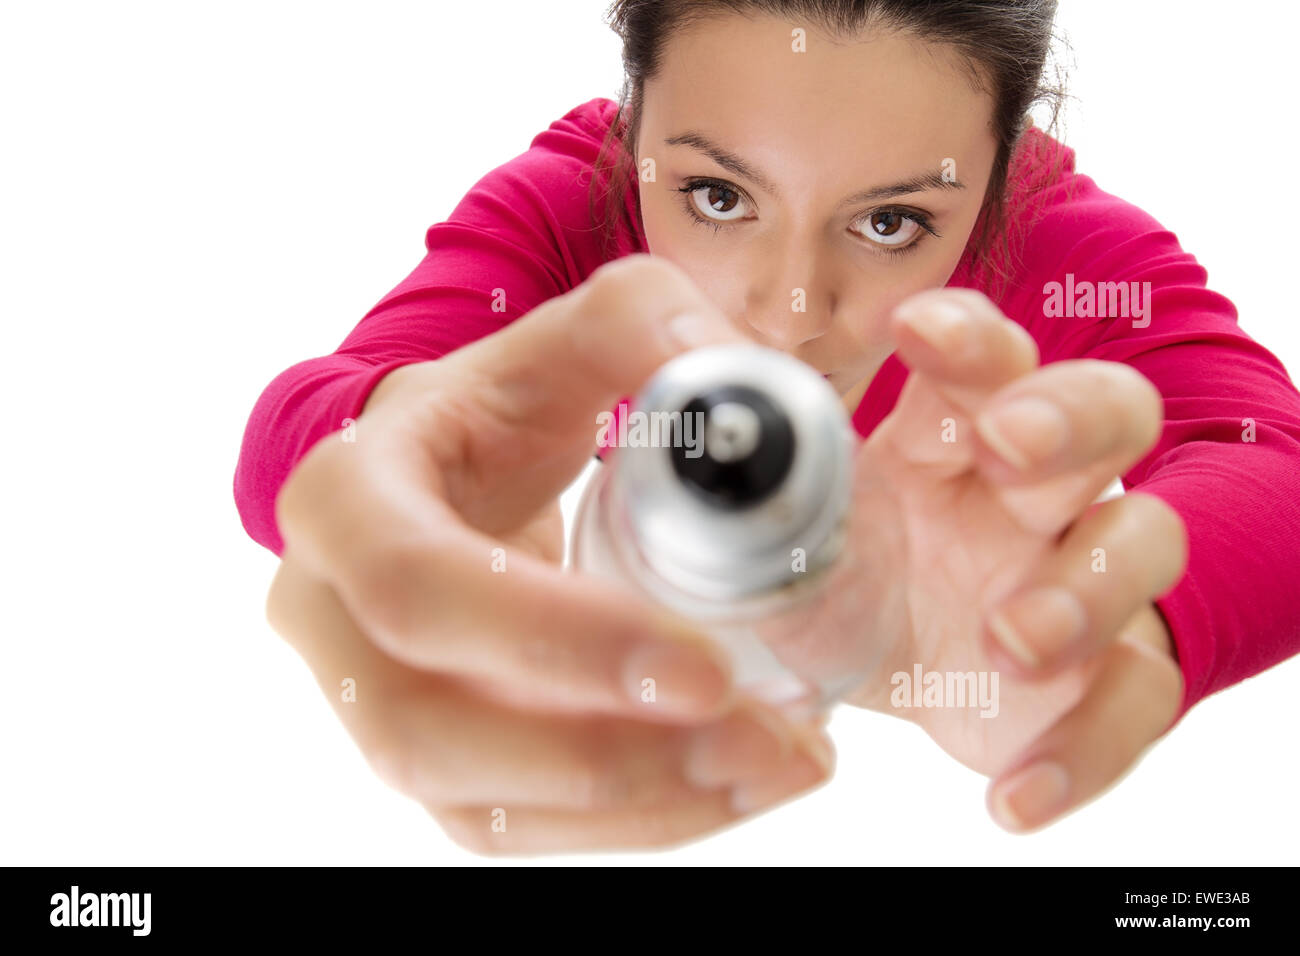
(855, 183)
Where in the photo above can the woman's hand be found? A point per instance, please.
(420, 582)
(979, 543)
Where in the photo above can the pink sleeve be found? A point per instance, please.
(522, 235)
(1228, 459)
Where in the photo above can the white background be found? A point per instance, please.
(198, 195)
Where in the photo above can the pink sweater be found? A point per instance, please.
(525, 227)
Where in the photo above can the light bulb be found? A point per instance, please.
(728, 502)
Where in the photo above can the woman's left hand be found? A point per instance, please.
(982, 554)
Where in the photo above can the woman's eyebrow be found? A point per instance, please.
(917, 184)
(729, 160)
(724, 158)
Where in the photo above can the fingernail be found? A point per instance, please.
(941, 324)
(1012, 642)
(811, 764)
(1031, 796)
(1024, 431)
(745, 745)
(1040, 624)
(691, 330)
(681, 678)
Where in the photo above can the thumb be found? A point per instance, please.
(541, 382)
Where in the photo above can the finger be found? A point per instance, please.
(494, 829)
(1069, 416)
(1129, 706)
(437, 741)
(543, 536)
(1119, 557)
(452, 748)
(530, 394)
(960, 349)
(751, 740)
(1053, 440)
(439, 596)
(962, 343)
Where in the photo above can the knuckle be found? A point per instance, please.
(652, 827)
(629, 280)
(391, 762)
(1130, 519)
(1133, 394)
(597, 773)
(1162, 687)
(1145, 399)
(1156, 520)
(388, 581)
(548, 655)
(470, 828)
(297, 501)
(398, 756)
(1177, 687)
(1170, 521)
(291, 601)
(1152, 514)
(279, 614)
(600, 786)
(1172, 677)
(399, 747)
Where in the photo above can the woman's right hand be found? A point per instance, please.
(421, 583)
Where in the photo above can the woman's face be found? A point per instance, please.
(807, 193)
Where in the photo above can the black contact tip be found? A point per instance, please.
(735, 447)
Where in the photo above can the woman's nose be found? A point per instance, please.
(789, 304)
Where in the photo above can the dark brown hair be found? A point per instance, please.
(1006, 43)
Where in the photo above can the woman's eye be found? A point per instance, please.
(718, 203)
(890, 228)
